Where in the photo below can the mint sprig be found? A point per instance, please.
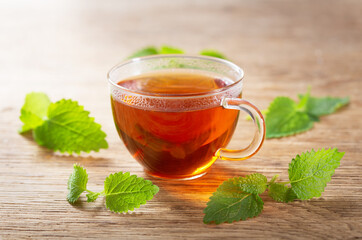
(123, 192)
(238, 198)
(165, 49)
(63, 125)
(285, 117)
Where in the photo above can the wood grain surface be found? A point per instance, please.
(65, 48)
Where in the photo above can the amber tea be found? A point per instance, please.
(178, 143)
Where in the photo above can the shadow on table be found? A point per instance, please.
(98, 206)
(188, 197)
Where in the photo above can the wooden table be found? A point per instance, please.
(65, 48)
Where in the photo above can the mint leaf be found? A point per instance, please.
(34, 110)
(77, 183)
(144, 52)
(70, 129)
(237, 198)
(281, 193)
(62, 126)
(165, 49)
(125, 192)
(284, 117)
(255, 183)
(170, 50)
(324, 105)
(229, 203)
(310, 172)
(212, 53)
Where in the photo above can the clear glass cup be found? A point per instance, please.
(181, 136)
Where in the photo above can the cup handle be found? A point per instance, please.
(259, 122)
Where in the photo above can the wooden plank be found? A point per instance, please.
(66, 48)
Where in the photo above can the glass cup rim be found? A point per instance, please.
(232, 65)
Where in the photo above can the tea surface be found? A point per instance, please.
(174, 83)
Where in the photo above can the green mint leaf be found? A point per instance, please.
(310, 172)
(229, 203)
(144, 52)
(212, 53)
(70, 129)
(122, 191)
(281, 193)
(255, 183)
(284, 117)
(325, 105)
(170, 50)
(125, 192)
(34, 110)
(77, 183)
(91, 197)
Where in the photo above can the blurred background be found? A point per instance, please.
(65, 48)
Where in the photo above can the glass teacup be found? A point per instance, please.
(176, 113)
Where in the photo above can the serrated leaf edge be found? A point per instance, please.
(328, 178)
(234, 220)
(279, 135)
(276, 135)
(155, 190)
(92, 120)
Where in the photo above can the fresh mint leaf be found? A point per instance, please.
(124, 192)
(77, 183)
(68, 128)
(281, 193)
(284, 117)
(144, 52)
(229, 203)
(255, 183)
(325, 105)
(34, 110)
(165, 49)
(170, 50)
(310, 172)
(237, 198)
(212, 53)
(63, 126)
